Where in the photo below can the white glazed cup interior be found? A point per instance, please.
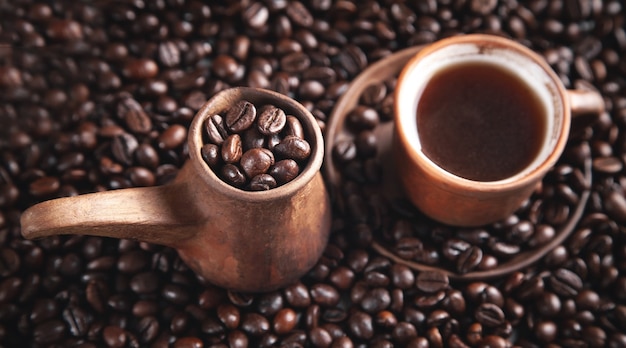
(525, 65)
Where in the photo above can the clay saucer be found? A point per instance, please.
(337, 129)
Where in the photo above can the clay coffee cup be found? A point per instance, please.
(246, 241)
(479, 121)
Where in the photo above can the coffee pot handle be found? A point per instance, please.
(156, 214)
(585, 102)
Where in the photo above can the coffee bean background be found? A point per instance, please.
(98, 95)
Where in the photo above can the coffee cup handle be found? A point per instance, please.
(150, 214)
(585, 102)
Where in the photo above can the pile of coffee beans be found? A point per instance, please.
(254, 149)
(98, 95)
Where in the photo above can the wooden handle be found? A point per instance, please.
(585, 102)
(157, 215)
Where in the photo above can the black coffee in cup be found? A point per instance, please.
(480, 121)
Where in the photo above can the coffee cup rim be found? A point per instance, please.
(230, 96)
(486, 42)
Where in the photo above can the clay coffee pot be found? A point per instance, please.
(246, 241)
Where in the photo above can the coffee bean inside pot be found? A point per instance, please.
(271, 120)
(215, 129)
(240, 116)
(249, 158)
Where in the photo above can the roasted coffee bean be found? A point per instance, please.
(231, 149)
(297, 295)
(255, 324)
(489, 315)
(296, 62)
(123, 148)
(402, 276)
(293, 127)
(134, 115)
(44, 186)
(215, 129)
(363, 117)
(521, 232)
(548, 304)
(374, 94)
(140, 176)
(229, 315)
(361, 325)
(256, 161)
(452, 248)
(169, 54)
(140, 68)
(292, 147)
(76, 320)
(148, 329)
(483, 292)
(271, 120)
(299, 14)
(172, 137)
(96, 294)
(284, 171)
(147, 156)
(10, 77)
(469, 259)
(588, 300)
(145, 282)
(132, 261)
(240, 116)
(114, 336)
(320, 337)
(345, 151)
(256, 15)
(352, 59)
(542, 235)
(284, 321)
(252, 138)
(504, 249)
(210, 297)
(565, 282)
(427, 256)
(431, 281)
(386, 319)
(174, 293)
(262, 182)
(615, 205)
(324, 295)
(545, 331)
(64, 29)
(342, 277)
(376, 279)
(376, 300)
(237, 339)
(431, 300)
(211, 154)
